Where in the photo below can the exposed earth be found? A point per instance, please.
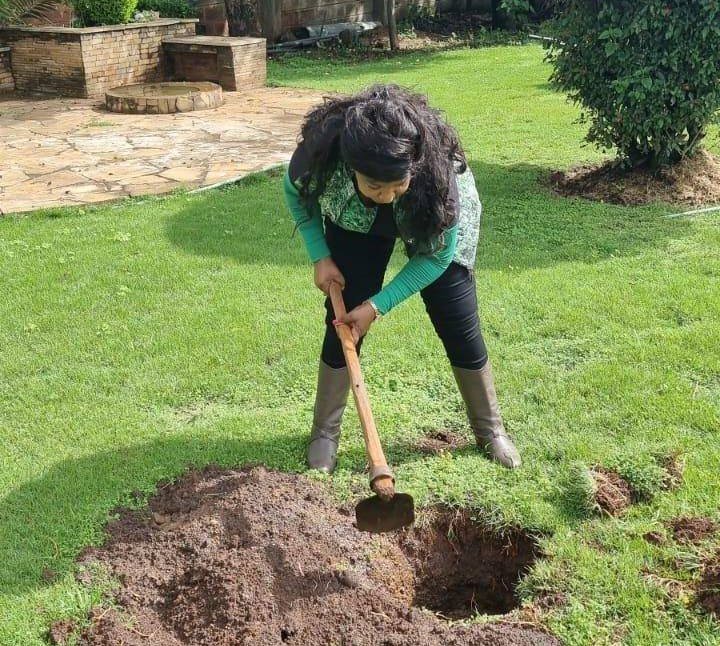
(695, 182)
(692, 529)
(441, 440)
(708, 592)
(256, 557)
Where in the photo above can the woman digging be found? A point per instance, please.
(370, 168)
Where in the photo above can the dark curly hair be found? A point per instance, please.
(387, 133)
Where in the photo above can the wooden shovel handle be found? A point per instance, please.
(381, 478)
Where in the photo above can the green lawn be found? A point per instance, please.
(144, 336)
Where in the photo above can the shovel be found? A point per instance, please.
(386, 511)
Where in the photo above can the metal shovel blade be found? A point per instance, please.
(378, 516)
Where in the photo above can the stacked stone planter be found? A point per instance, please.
(87, 62)
(237, 63)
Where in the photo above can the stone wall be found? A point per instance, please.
(236, 63)
(124, 56)
(7, 82)
(85, 62)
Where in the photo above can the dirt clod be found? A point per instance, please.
(60, 631)
(255, 557)
(441, 440)
(613, 494)
(692, 530)
(708, 591)
(694, 181)
(654, 538)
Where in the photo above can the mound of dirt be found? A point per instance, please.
(695, 181)
(255, 557)
(613, 494)
(708, 592)
(692, 530)
(441, 440)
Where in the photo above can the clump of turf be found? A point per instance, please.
(645, 477)
(613, 495)
(612, 487)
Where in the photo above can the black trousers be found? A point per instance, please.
(451, 301)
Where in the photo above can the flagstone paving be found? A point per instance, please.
(60, 152)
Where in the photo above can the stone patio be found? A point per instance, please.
(61, 152)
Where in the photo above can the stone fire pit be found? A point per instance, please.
(164, 98)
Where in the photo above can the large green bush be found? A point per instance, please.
(168, 8)
(104, 12)
(647, 74)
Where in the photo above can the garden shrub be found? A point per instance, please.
(169, 8)
(646, 74)
(104, 12)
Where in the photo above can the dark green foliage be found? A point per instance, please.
(104, 12)
(168, 8)
(518, 11)
(647, 74)
(16, 12)
(518, 14)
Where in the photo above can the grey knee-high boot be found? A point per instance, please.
(478, 392)
(330, 400)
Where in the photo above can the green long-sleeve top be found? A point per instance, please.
(419, 272)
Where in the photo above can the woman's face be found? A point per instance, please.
(381, 192)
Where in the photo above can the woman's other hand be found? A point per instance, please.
(326, 271)
(359, 319)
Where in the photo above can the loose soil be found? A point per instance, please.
(61, 631)
(708, 591)
(255, 557)
(441, 440)
(692, 530)
(612, 493)
(694, 182)
(654, 538)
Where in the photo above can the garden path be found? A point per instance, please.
(63, 152)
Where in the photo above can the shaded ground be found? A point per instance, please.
(695, 182)
(259, 557)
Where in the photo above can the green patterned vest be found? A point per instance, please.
(341, 204)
